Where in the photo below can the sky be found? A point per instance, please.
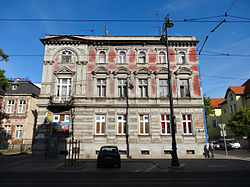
(217, 72)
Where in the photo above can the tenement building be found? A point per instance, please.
(94, 88)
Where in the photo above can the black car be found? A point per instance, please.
(109, 156)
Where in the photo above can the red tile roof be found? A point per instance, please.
(216, 101)
(237, 89)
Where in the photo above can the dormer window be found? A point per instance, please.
(142, 57)
(14, 87)
(102, 57)
(66, 57)
(122, 57)
(181, 58)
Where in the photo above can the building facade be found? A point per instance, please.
(94, 87)
(19, 107)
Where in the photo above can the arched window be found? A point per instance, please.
(122, 57)
(181, 58)
(66, 57)
(162, 58)
(142, 57)
(102, 57)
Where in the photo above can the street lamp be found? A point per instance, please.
(175, 162)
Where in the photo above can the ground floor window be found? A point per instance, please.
(165, 124)
(100, 125)
(121, 124)
(18, 131)
(187, 124)
(144, 124)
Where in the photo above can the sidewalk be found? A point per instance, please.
(26, 163)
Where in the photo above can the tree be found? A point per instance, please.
(4, 82)
(207, 105)
(239, 122)
(3, 56)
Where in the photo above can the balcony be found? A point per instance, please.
(63, 102)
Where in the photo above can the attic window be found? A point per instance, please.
(231, 98)
(14, 87)
(66, 57)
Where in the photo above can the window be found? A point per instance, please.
(7, 131)
(234, 107)
(102, 57)
(14, 87)
(21, 106)
(61, 117)
(163, 87)
(66, 57)
(231, 108)
(100, 125)
(143, 87)
(122, 87)
(162, 58)
(122, 57)
(181, 58)
(187, 124)
(144, 124)
(231, 98)
(101, 87)
(184, 88)
(10, 106)
(165, 124)
(142, 57)
(63, 89)
(121, 124)
(18, 131)
(214, 123)
(225, 111)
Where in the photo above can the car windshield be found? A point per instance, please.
(109, 149)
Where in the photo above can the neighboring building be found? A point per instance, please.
(214, 119)
(93, 85)
(236, 97)
(20, 110)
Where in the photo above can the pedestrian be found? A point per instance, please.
(211, 149)
(206, 152)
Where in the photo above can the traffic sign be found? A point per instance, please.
(222, 126)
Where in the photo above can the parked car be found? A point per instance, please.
(230, 143)
(109, 156)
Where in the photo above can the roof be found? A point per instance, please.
(23, 87)
(239, 90)
(247, 85)
(216, 101)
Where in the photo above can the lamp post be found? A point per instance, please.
(175, 160)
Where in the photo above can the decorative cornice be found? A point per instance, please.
(183, 70)
(81, 62)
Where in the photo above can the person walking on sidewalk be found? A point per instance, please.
(211, 149)
(206, 152)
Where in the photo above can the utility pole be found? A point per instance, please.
(175, 161)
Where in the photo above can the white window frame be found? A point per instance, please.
(101, 119)
(143, 87)
(162, 58)
(102, 57)
(181, 58)
(163, 87)
(10, 106)
(122, 121)
(166, 123)
(21, 106)
(142, 57)
(184, 88)
(18, 131)
(122, 57)
(101, 87)
(66, 57)
(187, 122)
(122, 87)
(144, 121)
(7, 129)
(57, 117)
(60, 85)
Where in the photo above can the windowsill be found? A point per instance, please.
(188, 135)
(121, 135)
(141, 63)
(144, 135)
(121, 63)
(100, 135)
(165, 135)
(161, 63)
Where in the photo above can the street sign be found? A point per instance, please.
(221, 133)
(222, 126)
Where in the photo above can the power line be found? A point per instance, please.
(222, 77)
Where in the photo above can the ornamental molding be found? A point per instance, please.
(122, 70)
(81, 62)
(183, 70)
(162, 70)
(64, 70)
(143, 71)
(101, 70)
